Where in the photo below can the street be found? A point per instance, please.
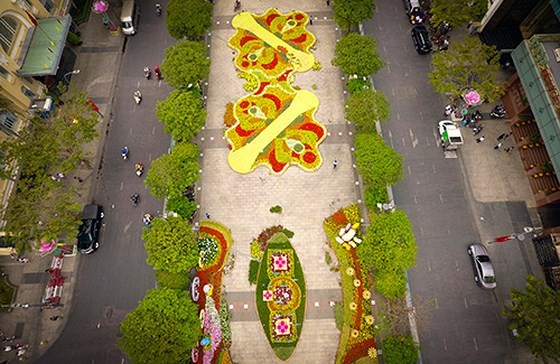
(111, 281)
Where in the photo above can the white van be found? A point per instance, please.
(129, 17)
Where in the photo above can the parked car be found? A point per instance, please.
(88, 234)
(421, 39)
(482, 265)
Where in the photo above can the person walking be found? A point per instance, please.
(334, 164)
(480, 140)
(499, 145)
(207, 216)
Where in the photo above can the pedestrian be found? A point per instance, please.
(61, 175)
(334, 164)
(508, 134)
(499, 145)
(501, 137)
(310, 19)
(509, 150)
(54, 318)
(208, 216)
(54, 178)
(480, 140)
(78, 179)
(328, 2)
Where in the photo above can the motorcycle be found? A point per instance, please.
(124, 152)
(134, 199)
(498, 112)
(478, 129)
(139, 169)
(137, 97)
(147, 219)
(157, 71)
(158, 9)
(147, 72)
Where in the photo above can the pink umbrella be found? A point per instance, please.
(100, 7)
(472, 98)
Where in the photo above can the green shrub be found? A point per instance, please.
(182, 206)
(276, 209)
(328, 258)
(288, 233)
(73, 39)
(375, 194)
(399, 350)
(339, 315)
(224, 323)
(253, 271)
(390, 284)
(172, 280)
(357, 84)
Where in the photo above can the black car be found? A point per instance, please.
(88, 235)
(421, 39)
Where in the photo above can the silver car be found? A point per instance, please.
(482, 265)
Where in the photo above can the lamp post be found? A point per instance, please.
(73, 72)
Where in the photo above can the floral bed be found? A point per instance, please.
(280, 293)
(275, 124)
(215, 242)
(358, 333)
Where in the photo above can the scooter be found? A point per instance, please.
(147, 72)
(124, 153)
(478, 129)
(147, 219)
(137, 97)
(134, 199)
(498, 112)
(139, 169)
(157, 71)
(158, 9)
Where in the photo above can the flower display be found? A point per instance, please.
(350, 271)
(283, 330)
(357, 283)
(286, 294)
(276, 119)
(366, 294)
(369, 319)
(267, 295)
(279, 263)
(209, 249)
(355, 333)
(372, 353)
(353, 306)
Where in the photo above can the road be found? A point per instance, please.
(464, 324)
(111, 281)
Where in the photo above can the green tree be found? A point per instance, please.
(357, 55)
(188, 18)
(182, 114)
(366, 107)
(389, 244)
(172, 173)
(534, 315)
(377, 163)
(350, 13)
(182, 206)
(457, 12)
(171, 245)
(162, 329)
(468, 64)
(399, 350)
(185, 63)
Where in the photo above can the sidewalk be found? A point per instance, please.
(96, 60)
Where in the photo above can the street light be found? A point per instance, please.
(73, 72)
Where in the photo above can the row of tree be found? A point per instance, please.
(165, 325)
(37, 157)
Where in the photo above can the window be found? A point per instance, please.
(7, 121)
(48, 4)
(4, 72)
(8, 30)
(27, 92)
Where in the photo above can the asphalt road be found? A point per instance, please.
(111, 281)
(464, 324)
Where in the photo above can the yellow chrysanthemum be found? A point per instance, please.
(369, 319)
(357, 283)
(366, 295)
(355, 333)
(350, 271)
(372, 353)
(353, 306)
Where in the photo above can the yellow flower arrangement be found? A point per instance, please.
(357, 282)
(372, 353)
(350, 271)
(355, 333)
(366, 294)
(369, 319)
(353, 306)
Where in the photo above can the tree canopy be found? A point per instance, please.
(389, 244)
(172, 173)
(534, 314)
(365, 107)
(357, 55)
(188, 18)
(185, 63)
(377, 163)
(182, 114)
(468, 64)
(349, 13)
(400, 350)
(457, 12)
(171, 245)
(162, 329)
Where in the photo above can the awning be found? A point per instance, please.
(45, 49)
